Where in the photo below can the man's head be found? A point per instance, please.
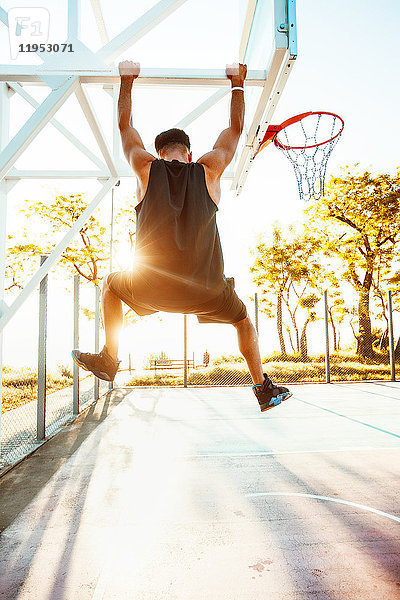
(173, 143)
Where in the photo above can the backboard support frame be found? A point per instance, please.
(94, 68)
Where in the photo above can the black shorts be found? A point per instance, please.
(224, 308)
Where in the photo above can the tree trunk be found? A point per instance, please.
(303, 342)
(279, 325)
(397, 350)
(335, 341)
(364, 340)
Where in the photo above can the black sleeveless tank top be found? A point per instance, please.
(178, 256)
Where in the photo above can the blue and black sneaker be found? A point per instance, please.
(102, 364)
(269, 395)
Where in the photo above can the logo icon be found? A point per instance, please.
(27, 25)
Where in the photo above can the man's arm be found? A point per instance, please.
(224, 148)
(133, 147)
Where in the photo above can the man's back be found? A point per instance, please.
(178, 249)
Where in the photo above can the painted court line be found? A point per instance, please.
(364, 391)
(333, 412)
(279, 452)
(327, 498)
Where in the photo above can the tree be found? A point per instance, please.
(359, 223)
(88, 253)
(18, 265)
(289, 273)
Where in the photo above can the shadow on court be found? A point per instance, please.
(192, 494)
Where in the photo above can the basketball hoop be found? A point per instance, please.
(307, 140)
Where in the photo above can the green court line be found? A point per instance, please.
(349, 418)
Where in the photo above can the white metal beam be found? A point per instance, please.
(34, 124)
(248, 22)
(70, 136)
(16, 174)
(253, 142)
(98, 15)
(4, 135)
(73, 19)
(279, 59)
(95, 126)
(130, 35)
(202, 108)
(198, 111)
(3, 16)
(55, 255)
(148, 77)
(124, 170)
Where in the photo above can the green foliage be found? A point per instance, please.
(88, 253)
(289, 273)
(20, 385)
(158, 380)
(345, 366)
(21, 261)
(65, 371)
(228, 358)
(162, 358)
(358, 224)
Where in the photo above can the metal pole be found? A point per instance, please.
(391, 339)
(111, 229)
(3, 238)
(41, 386)
(75, 409)
(111, 384)
(112, 225)
(327, 361)
(256, 311)
(185, 369)
(4, 139)
(96, 334)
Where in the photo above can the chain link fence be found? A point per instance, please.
(325, 346)
(332, 343)
(37, 400)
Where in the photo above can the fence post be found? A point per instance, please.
(256, 311)
(96, 335)
(391, 339)
(41, 385)
(3, 240)
(75, 408)
(327, 361)
(185, 370)
(5, 186)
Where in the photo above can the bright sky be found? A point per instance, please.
(345, 65)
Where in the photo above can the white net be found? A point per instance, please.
(308, 144)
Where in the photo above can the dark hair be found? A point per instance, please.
(171, 137)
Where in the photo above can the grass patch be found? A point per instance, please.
(20, 385)
(343, 368)
(146, 380)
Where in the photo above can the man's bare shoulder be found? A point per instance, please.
(212, 180)
(211, 162)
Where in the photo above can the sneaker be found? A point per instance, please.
(269, 395)
(102, 365)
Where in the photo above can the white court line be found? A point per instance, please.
(101, 585)
(368, 508)
(279, 452)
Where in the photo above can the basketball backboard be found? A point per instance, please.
(181, 44)
(183, 47)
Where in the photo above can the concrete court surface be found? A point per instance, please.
(174, 494)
